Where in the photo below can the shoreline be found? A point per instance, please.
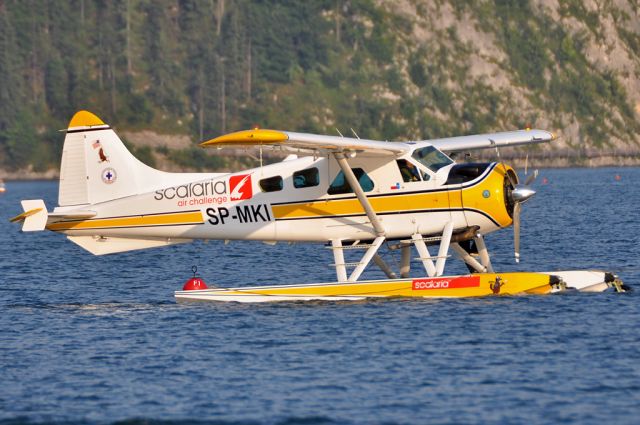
(561, 157)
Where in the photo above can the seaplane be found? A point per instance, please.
(346, 193)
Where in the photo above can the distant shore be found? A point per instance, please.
(562, 158)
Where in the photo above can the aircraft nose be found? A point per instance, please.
(522, 193)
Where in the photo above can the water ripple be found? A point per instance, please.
(100, 339)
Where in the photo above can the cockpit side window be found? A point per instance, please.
(341, 185)
(431, 158)
(408, 171)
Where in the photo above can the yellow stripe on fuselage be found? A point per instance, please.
(180, 218)
(472, 198)
(392, 203)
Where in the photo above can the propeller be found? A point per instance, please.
(518, 194)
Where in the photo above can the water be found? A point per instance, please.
(88, 339)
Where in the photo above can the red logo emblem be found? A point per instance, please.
(240, 187)
(446, 283)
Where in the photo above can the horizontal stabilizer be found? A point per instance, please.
(76, 215)
(34, 217)
(108, 245)
(24, 215)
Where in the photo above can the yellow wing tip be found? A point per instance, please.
(85, 119)
(248, 137)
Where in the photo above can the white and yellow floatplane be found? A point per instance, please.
(348, 193)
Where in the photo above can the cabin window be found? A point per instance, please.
(306, 178)
(408, 171)
(431, 158)
(271, 184)
(411, 173)
(340, 184)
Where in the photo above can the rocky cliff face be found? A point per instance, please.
(569, 66)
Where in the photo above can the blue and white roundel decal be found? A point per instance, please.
(109, 175)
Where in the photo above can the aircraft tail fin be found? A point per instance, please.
(96, 166)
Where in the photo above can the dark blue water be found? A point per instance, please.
(88, 339)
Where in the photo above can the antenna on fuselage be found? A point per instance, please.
(339, 132)
(354, 133)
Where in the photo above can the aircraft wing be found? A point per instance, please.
(291, 140)
(485, 141)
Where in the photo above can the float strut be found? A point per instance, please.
(464, 255)
(423, 252)
(384, 267)
(483, 253)
(444, 248)
(405, 260)
(366, 258)
(338, 257)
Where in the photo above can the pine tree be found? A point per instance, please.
(10, 65)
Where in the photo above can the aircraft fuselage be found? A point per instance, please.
(273, 203)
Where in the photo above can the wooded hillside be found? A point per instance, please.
(388, 69)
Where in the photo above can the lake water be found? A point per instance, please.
(87, 339)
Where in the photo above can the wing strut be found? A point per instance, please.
(355, 185)
(373, 248)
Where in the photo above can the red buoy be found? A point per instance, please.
(195, 283)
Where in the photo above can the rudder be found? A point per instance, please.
(96, 166)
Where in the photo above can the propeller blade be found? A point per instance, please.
(516, 231)
(531, 178)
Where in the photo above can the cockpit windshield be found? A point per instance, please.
(431, 158)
